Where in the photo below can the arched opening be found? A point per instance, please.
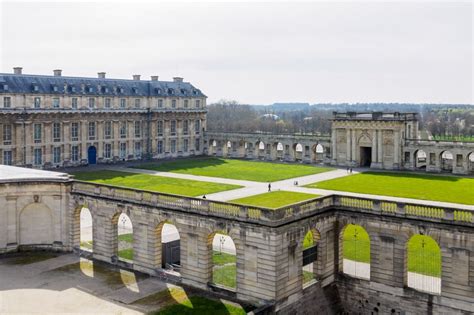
(85, 233)
(423, 264)
(420, 159)
(261, 145)
(356, 251)
(224, 260)
(470, 163)
(318, 152)
(298, 151)
(446, 158)
(124, 230)
(229, 144)
(310, 255)
(168, 247)
(279, 146)
(36, 225)
(214, 143)
(92, 155)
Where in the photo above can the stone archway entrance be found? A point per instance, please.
(365, 156)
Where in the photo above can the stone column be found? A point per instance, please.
(397, 150)
(84, 136)
(348, 147)
(65, 125)
(333, 146)
(28, 142)
(379, 147)
(354, 158)
(47, 142)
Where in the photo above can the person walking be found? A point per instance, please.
(269, 187)
(350, 171)
(204, 197)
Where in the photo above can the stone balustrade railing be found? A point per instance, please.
(274, 217)
(246, 135)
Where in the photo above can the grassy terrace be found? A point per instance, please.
(236, 169)
(274, 199)
(427, 187)
(189, 188)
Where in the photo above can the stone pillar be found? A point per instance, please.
(379, 147)
(396, 149)
(334, 146)
(84, 136)
(348, 147)
(105, 238)
(116, 138)
(354, 158)
(28, 143)
(196, 266)
(48, 133)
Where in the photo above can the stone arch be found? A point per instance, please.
(355, 251)
(364, 140)
(470, 162)
(123, 238)
(310, 247)
(423, 264)
(36, 225)
(222, 250)
(420, 159)
(260, 145)
(279, 147)
(446, 159)
(86, 224)
(229, 144)
(298, 151)
(318, 152)
(167, 246)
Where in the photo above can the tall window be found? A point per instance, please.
(56, 132)
(37, 102)
(74, 131)
(173, 146)
(138, 149)
(159, 127)
(173, 103)
(123, 103)
(197, 126)
(92, 131)
(108, 103)
(7, 134)
(123, 150)
(160, 103)
(37, 133)
(7, 158)
(160, 147)
(91, 102)
(38, 155)
(198, 103)
(137, 103)
(57, 155)
(108, 130)
(185, 145)
(123, 129)
(186, 102)
(74, 103)
(7, 102)
(138, 129)
(185, 127)
(56, 102)
(108, 151)
(197, 145)
(173, 127)
(75, 153)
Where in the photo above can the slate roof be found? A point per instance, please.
(43, 84)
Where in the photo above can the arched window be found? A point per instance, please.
(279, 146)
(224, 260)
(424, 264)
(124, 237)
(319, 149)
(298, 147)
(86, 238)
(310, 249)
(261, 145)
(356, 251)
(446, 161)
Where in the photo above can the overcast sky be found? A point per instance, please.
(255, 53)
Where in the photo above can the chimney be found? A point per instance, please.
(101, 75)
(57, 72)
(136, 77)
(17, 70)
(178, 79)
(154, 78)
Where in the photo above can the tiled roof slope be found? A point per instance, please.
(42, 84)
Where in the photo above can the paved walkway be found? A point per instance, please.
(254, 188)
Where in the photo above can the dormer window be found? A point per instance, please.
(158, 91)
(183, 91)
(72, 89)
(35, 88)
(195, 92)
(135, 90)
(5, 87)
(55, 88)
(90, 89)
(119, 90)
(170, 91)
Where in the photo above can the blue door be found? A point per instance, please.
(92, 155)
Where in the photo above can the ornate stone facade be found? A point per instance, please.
(50, 121)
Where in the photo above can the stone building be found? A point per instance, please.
(371, 139)
(51, 121)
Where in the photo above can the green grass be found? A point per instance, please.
(196, 305)
(126, 237)
(87, 244)
(356, 244)
(190, 188)
(274, 199)
(308, 240)
(126, 253)
(307, 276)
(427, 187)
(225, 275)
(219, 258)
(424, 256)
(236, 169)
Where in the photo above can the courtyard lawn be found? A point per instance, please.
(126, 253)
(190, 188)
(197, 305)
(236, 169)
(418, 186)
(274, 199)
(225, 275)
(219, 258)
